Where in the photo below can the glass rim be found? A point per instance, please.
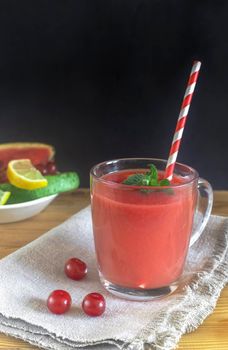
(124, 186)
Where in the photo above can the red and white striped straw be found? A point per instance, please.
(182, 120)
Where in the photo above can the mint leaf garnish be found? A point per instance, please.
(164, 182)
(153, 173)
(135, 180)
(150, 178)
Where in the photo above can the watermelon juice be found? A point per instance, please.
(141, 236)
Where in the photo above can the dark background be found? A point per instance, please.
(105, 79)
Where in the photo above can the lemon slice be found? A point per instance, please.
(21, 173)
(4, 196)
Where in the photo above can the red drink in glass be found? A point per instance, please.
(142, 234)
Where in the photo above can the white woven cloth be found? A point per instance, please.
(31, 273)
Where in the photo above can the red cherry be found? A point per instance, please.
(59, 301)
(94, 304)
(42, 168)
(75, 269)
(51, 168)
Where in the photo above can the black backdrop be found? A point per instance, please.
(105, 79)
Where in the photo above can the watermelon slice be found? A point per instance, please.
(38, 153)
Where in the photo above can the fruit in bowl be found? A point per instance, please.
(31, 183)
(41, 155)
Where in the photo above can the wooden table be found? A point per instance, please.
(212, 334)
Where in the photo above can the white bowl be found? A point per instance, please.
(25, 210)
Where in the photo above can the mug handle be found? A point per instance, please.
(203, 209)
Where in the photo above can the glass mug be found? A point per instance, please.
(142, 234)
